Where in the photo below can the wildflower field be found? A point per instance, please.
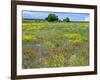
(54, 44)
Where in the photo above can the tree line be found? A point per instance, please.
(51, 18)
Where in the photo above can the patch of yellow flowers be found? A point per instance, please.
(55, 61)
(72, 36)
(29, 38)
(75, 38)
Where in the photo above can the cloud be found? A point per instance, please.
(34, 14)
(87, 19)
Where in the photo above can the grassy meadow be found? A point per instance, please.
(54, 44)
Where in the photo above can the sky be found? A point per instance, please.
(61, 15)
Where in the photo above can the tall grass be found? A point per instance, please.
(55, 44)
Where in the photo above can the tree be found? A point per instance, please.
(66, 19)
(52, 17)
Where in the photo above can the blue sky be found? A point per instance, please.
(61, 15)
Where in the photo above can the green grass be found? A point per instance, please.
(55, 44)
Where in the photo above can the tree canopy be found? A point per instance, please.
(66, 19)
(52, 18)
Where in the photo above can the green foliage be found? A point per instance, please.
(66, 19)
(52, 17)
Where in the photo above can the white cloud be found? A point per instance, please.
(87, 19)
